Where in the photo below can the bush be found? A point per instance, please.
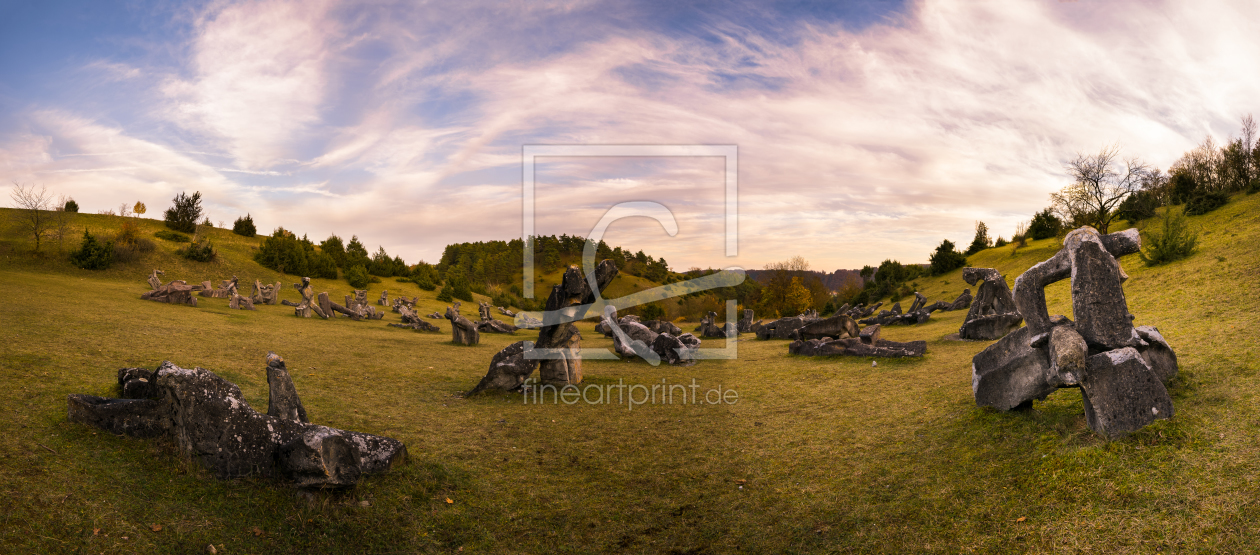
(287, 254)
(323, 266)
(652, 311)
(358, 276)
(200, 250)
(946, 258)
(71, 206)
(183, 215)
(424, 282)
(445, 295)
(1000, 242)
(504, 300)
(1202, 202)
(1044, 225)
(460, 289)
(245, 226)
(129, 245)
(93, 255)
(1173, 241)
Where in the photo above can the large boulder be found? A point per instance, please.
(836, 327)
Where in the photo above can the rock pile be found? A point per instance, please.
(1121, 370)
(208, 420)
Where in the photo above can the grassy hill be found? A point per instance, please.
(817, 455)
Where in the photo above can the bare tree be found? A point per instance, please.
(61, 220)
(1100, 186)
(1249, 149)
(124, 210)
(36, 216)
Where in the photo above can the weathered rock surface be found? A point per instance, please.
(154, 281)
(993, 314)
(835, 327)
(175, 292)
(963, 301)
(463, 331)
(569, 300)
(853, 346)
(209, 421)
(265, 294)
(1120, 369)
(508, 369)
(224, 291)
(411, 320)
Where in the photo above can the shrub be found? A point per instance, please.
(245, 226)
(1202, 202)
(128, 244)
(71, 206)
(1173, 240)
(445, 295)
(175, 236)
(460, 289)
(424, 282)
(183, 215)
(200, 250)
(946, 258)
(1000, 242)
(92, 254)
(1044, 225)
(504, 300)
(357, 276)
(323, 266)
(652, 311)
(285, 253)
(981, 241)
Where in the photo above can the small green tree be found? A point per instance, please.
(446, 294)
(652, 311)
(946, 258)
(92, 254)
(981, 241)
(244, 226)
(72, 206)
(184, 213)
(1173, 240)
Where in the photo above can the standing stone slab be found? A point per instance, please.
(1121, 393)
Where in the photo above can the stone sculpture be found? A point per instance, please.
(411, 320)
(175, 292)
(265, 294)
(866, 343)
(1121, 370)
(208, 420)
(463, 331)
(154, 281)
(568, 301)
(993, 314)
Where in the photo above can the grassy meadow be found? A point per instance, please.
(827, 455)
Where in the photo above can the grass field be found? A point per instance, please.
(817, 456)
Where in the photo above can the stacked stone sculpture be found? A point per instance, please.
(224, 291)
(175, 292)
(209, 421)
(1121, 370)
(993, 314)
(710, 329)
(570, 301)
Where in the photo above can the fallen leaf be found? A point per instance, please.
(741, 481)
(156, 527)
(1021, 519)
(257, 532)
(448, 500)
(211, 549)
(124, 537)
(96, 531)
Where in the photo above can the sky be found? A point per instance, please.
(865, 130)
